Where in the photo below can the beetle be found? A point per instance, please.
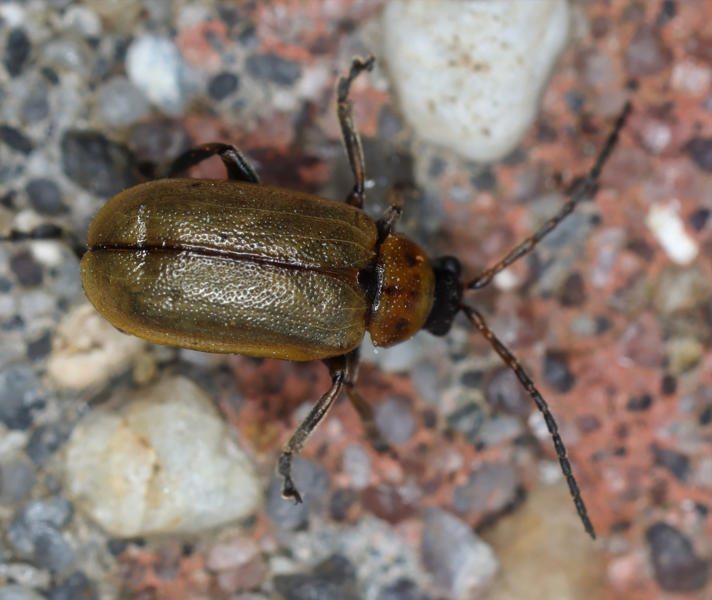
(235, 266)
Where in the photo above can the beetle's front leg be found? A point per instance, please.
(352, 141)
(295, 443)
(235, 162)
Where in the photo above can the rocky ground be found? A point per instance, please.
(135, 471)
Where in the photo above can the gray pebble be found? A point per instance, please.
(45, 196)
(506, 395)
(19, 397)
(34, 518)
(357, 465)
(646, 54)
(403, 589)
(467, 419)
(18, 592)
(16, 480)
(36, 105)
(311, 480)
(45, 440)
(395, 420)
(120, 103)
(489, 490)
(458, 560)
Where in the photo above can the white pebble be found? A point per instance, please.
(154, 66)
(469, 73)
(161, 463)
(87, 350)
(667, 227)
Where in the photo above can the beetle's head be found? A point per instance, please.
(447, 296)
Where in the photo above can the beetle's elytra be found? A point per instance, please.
(236, 266)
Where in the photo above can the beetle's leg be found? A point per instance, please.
(394, 211)
(48, 231)
(235, 162)
(478, 322)
(583, 190)
(295, 443)
(352, 141)
(365, 411)
(363, 408)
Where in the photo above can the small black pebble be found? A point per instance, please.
(668, 385)
(639, 403)
(672, 460)
(698, 219)
(222, 85)
(573, 292)
(556, 371)
(15, 139)
(700, 151)
(17, 49)
(485, 180)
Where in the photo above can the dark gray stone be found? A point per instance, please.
(96, 163)
(45, 440)
(75, 587)
(222, 85)
(45, 196)
(556, 371)
(35, 532)
(15, 139)
(19, 396)
(677, 568)
(272, 67)
(332, 579)
(675, 462)
(403, 589)
(700, 151)
(17, 51)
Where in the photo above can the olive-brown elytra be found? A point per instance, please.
(239, 267)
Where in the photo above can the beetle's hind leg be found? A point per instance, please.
(352, 141)
(235, 162)
(295, 443)
(343, 371)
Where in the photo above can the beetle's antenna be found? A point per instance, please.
(477, 320)
(48, 231)
(583, 190)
